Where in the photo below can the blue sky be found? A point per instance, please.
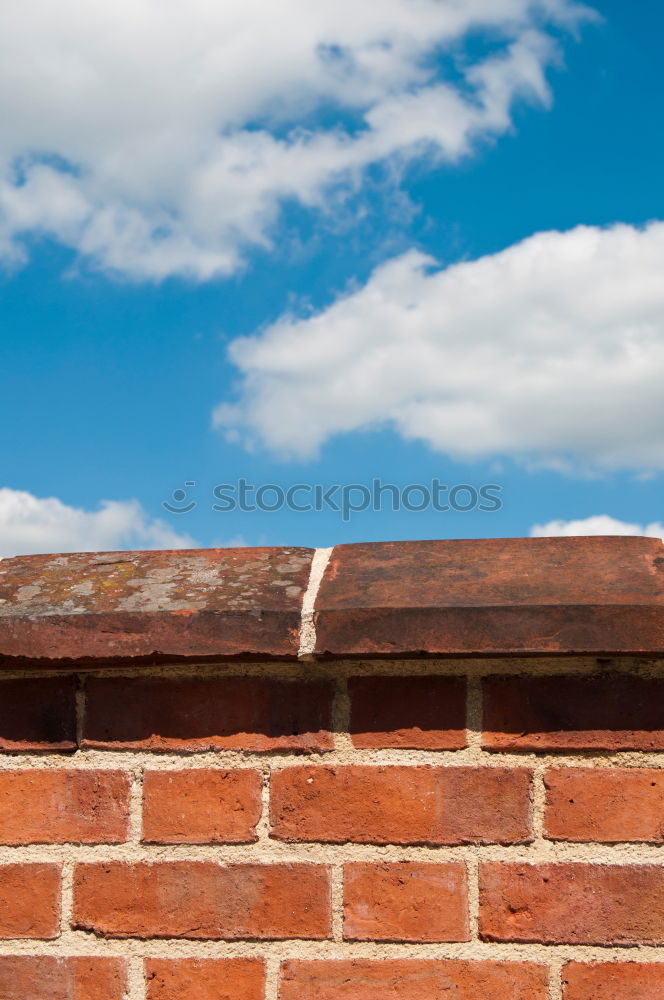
(330, 267)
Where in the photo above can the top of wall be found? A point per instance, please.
(495, 597)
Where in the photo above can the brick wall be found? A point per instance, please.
(470, 829)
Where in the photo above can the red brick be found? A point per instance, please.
(605, 804)
(613, 981)
(29, 901)
(401, 805)
(412, 980)
(201, 807)
(407, 901)
(45, 977)
(56, 807)
(420, 713)
(572, 903)
(189, 899)
(234, 713)
(205, 978)
(38, 714)
(613, 712)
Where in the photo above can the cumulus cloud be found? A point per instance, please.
(550, 352)
(162, 138)
(30, 524)
(600, 524)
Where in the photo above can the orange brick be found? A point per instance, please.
(201, 807)
(56, 807)
(605, 804)
(407, 901)
(29, 901)
(401, 805)
(44, 977)
(613, 981)
(227, 713)
(421, 713)
(205, 978)
(412, 980)
(38, 714)
(612, 712)
(190, 899)
(572, 903)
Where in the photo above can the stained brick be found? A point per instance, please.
(38, 714)
(198, 714)
(422, 713)
(613, 712)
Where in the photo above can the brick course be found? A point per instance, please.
(335, 832)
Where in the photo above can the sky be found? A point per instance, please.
(396, 268)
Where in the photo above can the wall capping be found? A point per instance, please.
(467, 597)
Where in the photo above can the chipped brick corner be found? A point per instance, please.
(421, 770)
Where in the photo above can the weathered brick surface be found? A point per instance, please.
(243, 713)
(201, 806)
(186, 815)
(38, 714)
(409, 901)
(615, 712)
(410, 979)
(29, 901)
(202, 900)
(605, 804)
(54, 807)
(401, 805)
(423, 713)
(46, 977)
(572, 903)
(205, 979)
(613, 981)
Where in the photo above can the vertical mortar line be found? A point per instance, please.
(539, 801)
(474, 714)
(337, 901)
(263, 825)
(473, 870)
(135, 806)
(320, 559)
(67, 896)
(272, 966)
(136, 986)
(556, 978)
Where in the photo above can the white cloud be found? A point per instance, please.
(550, 352)
(160, 138)
(30, 524)
(600, 524)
